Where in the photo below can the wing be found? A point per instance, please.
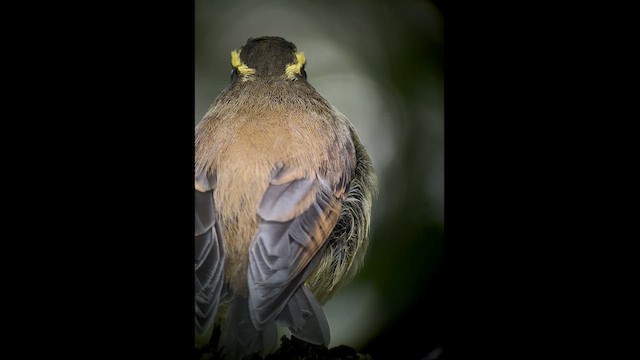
(297, 214)
(349, 239)
(209, 260)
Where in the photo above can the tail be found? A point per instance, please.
(303, 315)
(239, 337)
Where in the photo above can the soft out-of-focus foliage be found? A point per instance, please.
(381, 64)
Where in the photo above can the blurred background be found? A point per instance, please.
(381, 64)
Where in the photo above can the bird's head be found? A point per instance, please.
(267, 57)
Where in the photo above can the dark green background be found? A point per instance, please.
(381, 64)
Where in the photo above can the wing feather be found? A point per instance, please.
(282, 254)
(209, 263)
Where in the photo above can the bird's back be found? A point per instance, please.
(245, 148)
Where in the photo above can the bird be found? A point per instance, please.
(283, 197)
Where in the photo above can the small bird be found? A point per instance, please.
(283, 194)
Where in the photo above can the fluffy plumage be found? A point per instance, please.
(283, 198)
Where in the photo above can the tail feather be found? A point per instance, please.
(239, 336)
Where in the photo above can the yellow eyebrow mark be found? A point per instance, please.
(294, 69)
(243, 69)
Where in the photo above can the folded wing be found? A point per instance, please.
(209, 263)
(297, 215)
